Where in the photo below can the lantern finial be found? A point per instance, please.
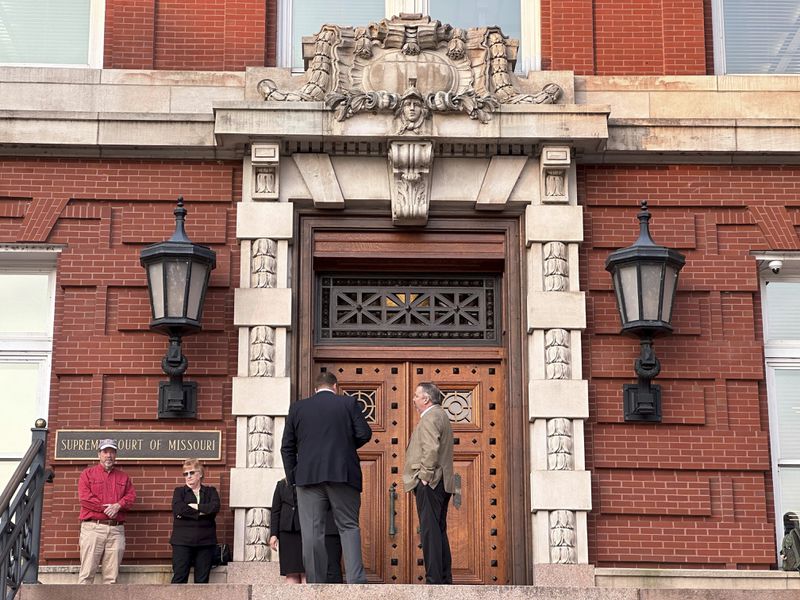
(179, 235)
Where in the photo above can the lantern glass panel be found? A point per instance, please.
(670, 282)
(630, 292)
(620, 298)
(651, 290)
(196, 289)
(177, 272)
(155, 273)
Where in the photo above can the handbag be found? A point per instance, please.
(222, 555)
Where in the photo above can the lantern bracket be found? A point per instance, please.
(642, 400)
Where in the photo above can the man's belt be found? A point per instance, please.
(111, 522)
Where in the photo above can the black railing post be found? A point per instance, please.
(21, 508)
(38, 433)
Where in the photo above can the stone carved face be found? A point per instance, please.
(412, 111)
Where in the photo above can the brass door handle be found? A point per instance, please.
(392, 499)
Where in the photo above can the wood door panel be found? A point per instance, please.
(373, 516)
(463, 526)
(474, 399)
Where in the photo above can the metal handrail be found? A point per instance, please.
(19, 474)
(21, 517)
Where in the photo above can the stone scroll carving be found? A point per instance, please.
(562, 537)
(556, 267)
(263, 264)
(411, 62)
(557, 354)
(256, 535)
(262, 351)
(559, 445)
(259, 441)
(410, 164)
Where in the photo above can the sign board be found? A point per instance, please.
(81, 444)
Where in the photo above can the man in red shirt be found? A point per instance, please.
(106, 493)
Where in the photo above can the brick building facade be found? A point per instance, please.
(93, 159)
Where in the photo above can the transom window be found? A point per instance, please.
(756, 37)
(409, 310)
(300, 18)
(52, 32)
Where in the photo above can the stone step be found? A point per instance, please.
(380, 592)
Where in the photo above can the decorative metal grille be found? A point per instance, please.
(419, 310)
(366, 398)
(458, 405)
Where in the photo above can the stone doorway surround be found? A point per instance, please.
(410, 118)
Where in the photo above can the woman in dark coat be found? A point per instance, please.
(194, 529)
(284, 527)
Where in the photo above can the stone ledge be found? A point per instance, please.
(128, 574)
(714, 579)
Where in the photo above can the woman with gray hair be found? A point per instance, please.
(194, 529)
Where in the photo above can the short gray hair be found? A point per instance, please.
(432, 391)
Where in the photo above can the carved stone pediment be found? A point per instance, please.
(413, 66)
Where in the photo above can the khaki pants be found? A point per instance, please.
(98, 543)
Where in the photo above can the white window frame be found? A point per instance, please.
(94, 59)
(718, 29)
(530, 53)
(34, 347)
(778, 355)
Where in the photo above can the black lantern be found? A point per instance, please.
(177, 278)
(645, 276)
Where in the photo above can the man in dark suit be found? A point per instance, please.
(319, 446)
(429, 474)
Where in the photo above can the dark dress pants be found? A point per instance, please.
(432, 512)
(184, 557)
(333, 544)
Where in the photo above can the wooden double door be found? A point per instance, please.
(474, 397)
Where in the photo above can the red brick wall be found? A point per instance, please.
(203, 35)
(696, 489)
(609, 37)
(106, 363)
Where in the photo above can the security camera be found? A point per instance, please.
(775, 266)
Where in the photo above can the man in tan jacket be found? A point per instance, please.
(429, 474)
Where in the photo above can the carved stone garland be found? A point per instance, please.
(559, 445)
(562, 537)
(260, 441)
(262, 351)
(263, 264)
(556, 267)
(257, 535)
(557, 354)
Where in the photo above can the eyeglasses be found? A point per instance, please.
(189, 473)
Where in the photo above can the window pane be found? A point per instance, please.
(25, 298)
(7, 467)
(479, 13)
(783, 310)
(44, 31)
(762, 37)
(20, 383)
(787, 395)
(630, 291)
(651, 290)
(309, 15)
(790, 490)
(177, 272)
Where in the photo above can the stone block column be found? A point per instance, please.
(262, 312)
(557, 392)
